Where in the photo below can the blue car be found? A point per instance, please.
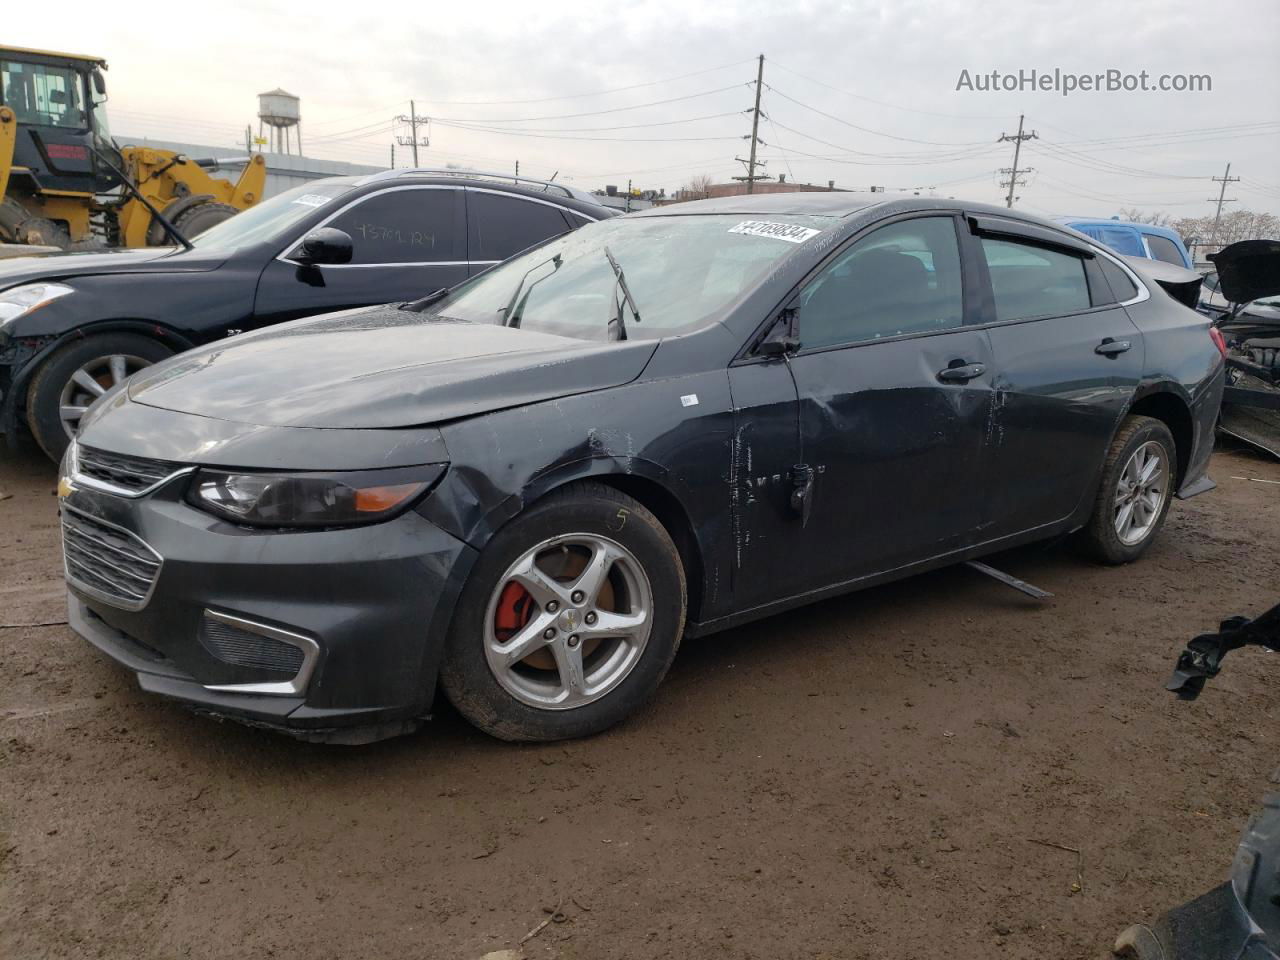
(1134, 239)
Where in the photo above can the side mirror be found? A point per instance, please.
(99, 82)
(782, 346)
(783, 339)
(324, 246)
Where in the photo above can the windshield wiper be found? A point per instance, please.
(431, 298)
(626, 295)
(511, 312)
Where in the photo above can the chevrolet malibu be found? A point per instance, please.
(526, 490)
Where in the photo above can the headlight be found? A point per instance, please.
(18, 301)
(311, 499)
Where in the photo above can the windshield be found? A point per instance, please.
(270, 219)
(680, 270)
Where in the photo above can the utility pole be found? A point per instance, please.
(1222, 194)
(1014, 172)
(752, 162)
(412, 140)
(393, 154)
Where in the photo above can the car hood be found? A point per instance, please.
(382, 367)
(1248, 270)
(64, 266)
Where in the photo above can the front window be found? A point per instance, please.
(681, 270)
(43, 95)
(271, 219)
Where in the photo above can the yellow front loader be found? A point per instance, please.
(64, 182)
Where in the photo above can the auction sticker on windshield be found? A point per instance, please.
(312, 200)
(777, 231)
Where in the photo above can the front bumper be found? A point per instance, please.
(367, 606)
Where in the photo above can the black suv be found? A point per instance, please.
(74, 325)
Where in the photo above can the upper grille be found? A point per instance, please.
(129, 473)
(107, 561)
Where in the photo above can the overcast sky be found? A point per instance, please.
(861, 92)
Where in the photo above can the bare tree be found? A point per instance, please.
(696, 188)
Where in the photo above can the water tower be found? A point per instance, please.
(279, 110)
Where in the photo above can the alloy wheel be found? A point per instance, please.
(91, 381)
(1141, 491)
(568, 621)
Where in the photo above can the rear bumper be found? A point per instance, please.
(1204, 416)
(368, 608)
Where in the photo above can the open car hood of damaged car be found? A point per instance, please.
(382, 367)
(1248, 270)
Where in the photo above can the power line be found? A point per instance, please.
(596, 93)
(552, 136)
(877, 133)
(592, 113)
(884, 103)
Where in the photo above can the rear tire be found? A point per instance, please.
(1138, 482)
(554, 547)
(53, 387)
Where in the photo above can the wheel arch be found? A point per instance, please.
(15, 398)
(643, 480)
(1168, 403)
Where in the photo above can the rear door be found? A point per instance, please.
(407, 242)
(500, 225)
(1067, 361)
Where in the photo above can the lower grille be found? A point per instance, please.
(106, 561)
(231, 644)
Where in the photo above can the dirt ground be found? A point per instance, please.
(863, 778)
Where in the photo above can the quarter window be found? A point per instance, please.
(502, 226)
(903, 278)
(1122, 288)
(1031, 281)
(1162, 248)
(402, 226)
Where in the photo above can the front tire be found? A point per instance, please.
(76, 375)
(569, 620)
(1137, 487)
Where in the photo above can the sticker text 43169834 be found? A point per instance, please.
(775, 231)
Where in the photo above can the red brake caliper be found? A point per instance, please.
(515, 609)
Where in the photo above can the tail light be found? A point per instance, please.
(1219, 340)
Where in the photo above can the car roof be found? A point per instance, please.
(1108, 222)
(820, 203)
(527, 186)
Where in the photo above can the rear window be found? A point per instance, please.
(503, 225)
(1162, 248)
(1122, 240)
(1030, 281)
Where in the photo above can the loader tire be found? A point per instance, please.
(196, 220)
(20, 225)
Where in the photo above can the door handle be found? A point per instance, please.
(961, 372)
(1110, 347)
